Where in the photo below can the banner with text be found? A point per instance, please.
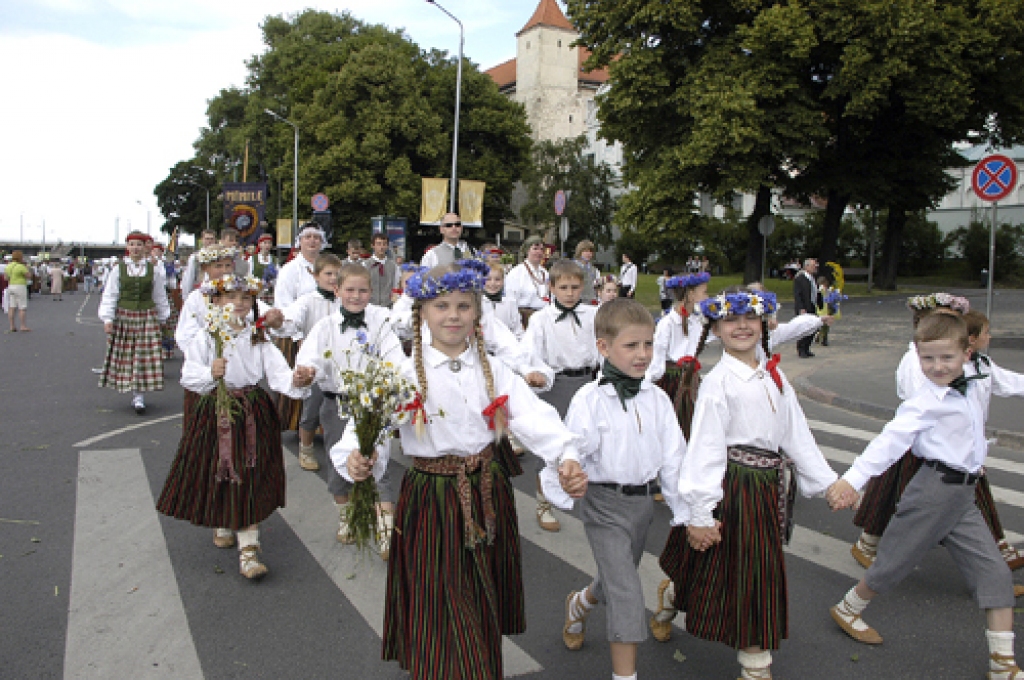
(471, 202)
(245, 209)
(435, 200)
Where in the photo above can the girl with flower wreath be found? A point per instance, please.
(454, 583)
(878, 504)
(748, 431)
(224, 476)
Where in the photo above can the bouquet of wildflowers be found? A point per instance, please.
(218, 325)
(834, 297)
(378, 400)
(269, 274)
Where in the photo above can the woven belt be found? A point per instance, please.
(459, 467)
(577, 372)
(648, 489)
(225, 466)
(763, 459)
(952, 475)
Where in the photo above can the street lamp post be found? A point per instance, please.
(148, 232)
(295, 175)
(458, 96)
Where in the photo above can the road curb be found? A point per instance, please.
(805, 388)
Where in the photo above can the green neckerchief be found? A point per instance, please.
(566, 311)
(959, 383)
(352, 320)
(326, 294)
(494, 297)
(625, 386)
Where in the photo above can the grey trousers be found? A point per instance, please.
(560, 396)
(933, 512)
(310, 417)
(334, 428)
(616, 527)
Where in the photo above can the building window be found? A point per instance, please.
(570, 119)
(527, 44)
(559, 43)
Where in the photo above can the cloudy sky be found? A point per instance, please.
(101, 97)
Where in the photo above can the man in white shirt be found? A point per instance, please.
(627, 277)
(451, 248)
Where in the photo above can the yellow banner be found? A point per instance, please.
(284, 232)
(471, 202)
(435, 200)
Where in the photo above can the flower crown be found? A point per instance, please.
(214, 253)
(688, 280)
(412, 267)
(935, 300)
(470, 278)
(230, 283)
(737, 304)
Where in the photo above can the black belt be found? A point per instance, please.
(576, 372)
(952, 475)
(649, 489)
(330, 395)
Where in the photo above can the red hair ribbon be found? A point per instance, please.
(682, 312)
(416, 406)
(261, 322)
(492, 410)
(689, 360)
(772, 367)
(397, 291)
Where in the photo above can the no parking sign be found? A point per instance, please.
(994, 177)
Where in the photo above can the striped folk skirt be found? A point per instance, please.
(174, 301)
(735, 592)
(682, 393)
(446, 605)
(192, 491)
(289, 410)
(134, 362)
(883, 493)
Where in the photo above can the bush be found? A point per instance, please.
(973, 242)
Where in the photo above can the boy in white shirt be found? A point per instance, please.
(944, 425)
(561, 337)
(500, 305)
(629, 439)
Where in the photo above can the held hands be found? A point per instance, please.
(773, 323)
(702, 538)
(536, 379)
(218, 368)
(572, 478)
(359, 466)
(273, 318)
(303, 376)
(827, 319)
(841, 495)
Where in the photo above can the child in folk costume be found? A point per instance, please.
(527, 283)
(192, 276)
(608, 289)
(502, 307)
(264, 266)
(882, 494)
(561, 338)
(727, 565)
(334, 341)
(943, 425)
(133, 308)
(173, 297)
(454, 582)
(299, 319)
(401, 310)
(228, 473)
(629, 441)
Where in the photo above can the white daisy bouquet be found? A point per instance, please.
(378, 400)
(218, 324)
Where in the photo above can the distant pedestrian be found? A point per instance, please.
(627, 277)
(56, 273)
(17, 276)
(663, 295)
(804, 289)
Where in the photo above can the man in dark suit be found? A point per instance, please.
(804, 290)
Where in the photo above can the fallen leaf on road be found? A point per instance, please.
(41, 447)
(18, 521)
(133, 590)
(104, 410)
(679, 656)
(217, 569)
(55, 591)
(855, 657)
(350, 577)
(26, 554)
(36, 540)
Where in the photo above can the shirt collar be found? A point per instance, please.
(436, 358)
(741, 370)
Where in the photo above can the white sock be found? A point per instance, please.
(669, 610)
(758, 661)
(579, 607)
(851, 606)
(623, 677)
(870, 540)
(136, 395)
(1000, 642)
(248, 537)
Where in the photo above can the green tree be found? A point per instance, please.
(565, 165)
(181, 198)
(973, 243)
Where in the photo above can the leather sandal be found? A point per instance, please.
(545, 518)
(868, 636)
(863, 553)
(662, 629)
(249, 564)
(1007, 668)
(573, 641)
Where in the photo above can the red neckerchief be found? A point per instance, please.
(689, 360)
(772, 367)
(492, 410)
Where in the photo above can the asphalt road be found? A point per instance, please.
(95, 584)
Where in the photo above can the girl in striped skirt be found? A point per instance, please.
(673, 367)
(455, 582)
(748, 434)
(224, 476)
(133, 308)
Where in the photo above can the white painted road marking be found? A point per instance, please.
(122, 430)
(126, 619)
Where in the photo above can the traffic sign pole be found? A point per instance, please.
(994, 178)
(991, 262)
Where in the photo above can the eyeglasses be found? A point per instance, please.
(452, 224)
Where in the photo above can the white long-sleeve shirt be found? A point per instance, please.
(624, 446)
(301, 315)
(190, 277)
(247, 365)
(627, 276)
(326, 335)
(562, 345)
(112, 290)
(461, 396)
(937, 423)
(528, 285)
(741, 406)
(670, 344)
(507, 312)
(294, 279)
(1000, 383)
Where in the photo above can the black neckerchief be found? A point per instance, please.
(625, 386)
(326, 294)
(352, 320)
(959, 383)
(566, 311)
(980, 359)
(494, 297)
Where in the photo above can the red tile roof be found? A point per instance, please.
(504, 74)
(548, 13)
